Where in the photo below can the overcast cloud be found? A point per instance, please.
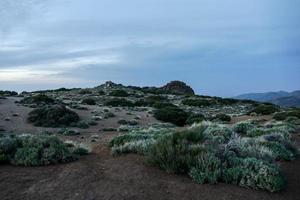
(219, 47)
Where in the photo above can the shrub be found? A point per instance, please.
(265, 109)
(32, 150)
(109, 115)
(80, 151)
(119, 93)
(207, 169)
(195, 118)
(257, 174)
(197, 102)
(171, 114)
(52, 116)
(8, 93)
(85, 91)
(40, 99)
(173, 152)
(280, 116)
(68, 132)
(89, 101)
(115, 102)
(243, 127)
(82, 124)
(160, 105)
(223, 117)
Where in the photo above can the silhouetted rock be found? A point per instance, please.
(178, 87)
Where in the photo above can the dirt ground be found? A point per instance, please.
(100, 176)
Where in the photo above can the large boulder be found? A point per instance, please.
(178, 87)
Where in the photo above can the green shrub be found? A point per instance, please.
(207, 169)
(280, 116)
(160, 105)
(243, 127)
(115, 102)
(85, 91)
(280, 151)
(195, 118)
(109, 115)
(223, 117)
(119, 93)
(68, 132)
(32, 150)
(40, 99)
(265, 109)
(52, 116)
(80, 151)
(82, 124)
(89, 101)
(198, 102)
(258, 174)
(171, 114)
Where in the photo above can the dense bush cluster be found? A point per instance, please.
(52, 116)
(265, 109)
(223, 117)
(39, 99)
(171, 114)
(286, 114)
(8, 93)
(116, 102)
(29, 150)
(198, 102)
(119, 93)
(89, 101)
(212, 153)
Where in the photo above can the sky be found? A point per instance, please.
(221, 48)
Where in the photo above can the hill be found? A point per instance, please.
(281, 98)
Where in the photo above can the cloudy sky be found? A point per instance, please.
(218, 47)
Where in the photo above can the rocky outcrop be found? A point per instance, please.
(178, 87)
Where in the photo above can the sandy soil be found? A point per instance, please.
(102, 176)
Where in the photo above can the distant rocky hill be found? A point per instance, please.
(178, 87)
(281, 98)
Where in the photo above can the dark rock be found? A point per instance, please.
(178, 87)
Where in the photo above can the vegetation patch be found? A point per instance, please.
(172, 114)
(39, 99)
(265, 109)
(198, 102)
(29, 150)
(89, 101)
(119, 93)
(211, 153)
(119, 102)
(52, 116)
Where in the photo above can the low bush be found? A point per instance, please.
(207, 169)
(8, 93)
(195, 118)
(255, 174)
(173, 115)
(210, 152)
(198, 102)
(280, 116)
(243, 127)
(80, 151)
(115, 102)
(40, 99)
(264, 109)
(29, 150)
(119, 93)
(223, 117)
(52, 116)
(89, 101)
